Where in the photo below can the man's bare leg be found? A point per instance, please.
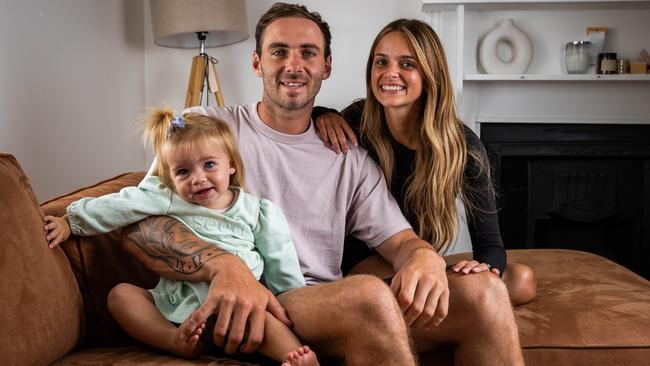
(480, 323)
(520, 279)
(356, 318)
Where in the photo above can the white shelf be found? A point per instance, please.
(545, 92)
(438, 5)
(557, 77)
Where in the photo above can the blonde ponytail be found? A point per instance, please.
(156, 123)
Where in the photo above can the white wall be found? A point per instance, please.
(71, 86)
(353, 24)
(76, 74)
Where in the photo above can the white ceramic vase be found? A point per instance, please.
(521, 45)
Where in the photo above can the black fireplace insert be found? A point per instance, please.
(574, 186)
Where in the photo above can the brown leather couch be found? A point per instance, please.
(588, 311)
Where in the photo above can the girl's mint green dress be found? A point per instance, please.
(253, 229)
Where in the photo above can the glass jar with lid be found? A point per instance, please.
(577, 57)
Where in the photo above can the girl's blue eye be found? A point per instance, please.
(182, 172)
(210, 164)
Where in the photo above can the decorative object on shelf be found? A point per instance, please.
(623, 66)
(638, 67)
(578, 57)
(596, 35)
(519, 42)
(607, 63)
(644, 57)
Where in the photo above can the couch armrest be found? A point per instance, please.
(99, 263)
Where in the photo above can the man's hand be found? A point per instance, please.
(239, 303)
(421, 289)
(165, 246)
(420, 282)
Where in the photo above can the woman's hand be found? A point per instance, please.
(56, 230)
(335, 132)
(467, 267)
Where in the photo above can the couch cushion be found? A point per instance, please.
(41, 315)
(588, 311)
(99, 264)
(141, 356)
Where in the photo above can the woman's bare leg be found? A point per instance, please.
(521, 283)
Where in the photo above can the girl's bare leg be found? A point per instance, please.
(134, 309)
(282, 345)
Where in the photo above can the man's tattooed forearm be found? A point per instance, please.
(167, 240)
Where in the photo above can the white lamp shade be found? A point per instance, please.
(175, 22)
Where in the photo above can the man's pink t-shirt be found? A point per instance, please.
(324, 196)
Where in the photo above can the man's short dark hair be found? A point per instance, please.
(284, 10)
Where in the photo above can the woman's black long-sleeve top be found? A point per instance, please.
(487, 245)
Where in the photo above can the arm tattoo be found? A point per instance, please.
(168, 240)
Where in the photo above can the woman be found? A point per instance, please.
(410, 126)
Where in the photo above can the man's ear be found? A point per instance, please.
(257, 66)
(328, 67)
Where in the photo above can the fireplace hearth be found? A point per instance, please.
(574, 186)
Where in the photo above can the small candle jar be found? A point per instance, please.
(607, 63)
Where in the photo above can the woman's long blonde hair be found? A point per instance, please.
(198, 131)
(441, 154)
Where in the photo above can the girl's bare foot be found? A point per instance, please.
(190, 347)
(303, 356)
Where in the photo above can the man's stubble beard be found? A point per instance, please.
(290, 104)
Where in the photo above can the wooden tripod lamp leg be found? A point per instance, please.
(195, 85)
(213, 82)
(198, 75)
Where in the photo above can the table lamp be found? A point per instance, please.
(199, 24)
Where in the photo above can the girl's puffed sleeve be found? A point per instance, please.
(273, 242)
(90, 216)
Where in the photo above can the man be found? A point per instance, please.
(326, 196)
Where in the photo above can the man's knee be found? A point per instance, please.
(371, 297)
(482, 294)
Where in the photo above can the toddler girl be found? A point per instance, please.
(198, 181)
